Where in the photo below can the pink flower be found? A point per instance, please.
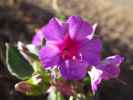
(107, 69)
(70, 47)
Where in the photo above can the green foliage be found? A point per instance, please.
(32, 49)
(16, 64)
(62, 17)
(25, 65)
(87, 80)
(55, 95)
(38, 86)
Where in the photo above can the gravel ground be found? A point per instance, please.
(128, 3)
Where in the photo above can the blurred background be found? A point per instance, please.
(19, 19)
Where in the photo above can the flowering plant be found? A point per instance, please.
(64, 57)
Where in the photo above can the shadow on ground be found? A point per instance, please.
(18, 23)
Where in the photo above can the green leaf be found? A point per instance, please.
(87, 81)
(38, 69)
(62, 17)
(55, 95)
(36, 89)
(16, 64)
(32, 49)
(39, 84)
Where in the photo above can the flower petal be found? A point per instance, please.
(91, 36)
(79, 28)
(54, 30)
(38, 38)
(73, 70)
(96, 78)
(90, 50)
(49, 56)
(110, 67)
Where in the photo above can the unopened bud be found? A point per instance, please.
(23, 87)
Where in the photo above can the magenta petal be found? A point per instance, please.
(73, 70)
(110, 72)
(79, 28)
(91, 36)
(54, 30)
(38, 38)
(110, 67)
(90, 50)
(96, 78)
(49, 56)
